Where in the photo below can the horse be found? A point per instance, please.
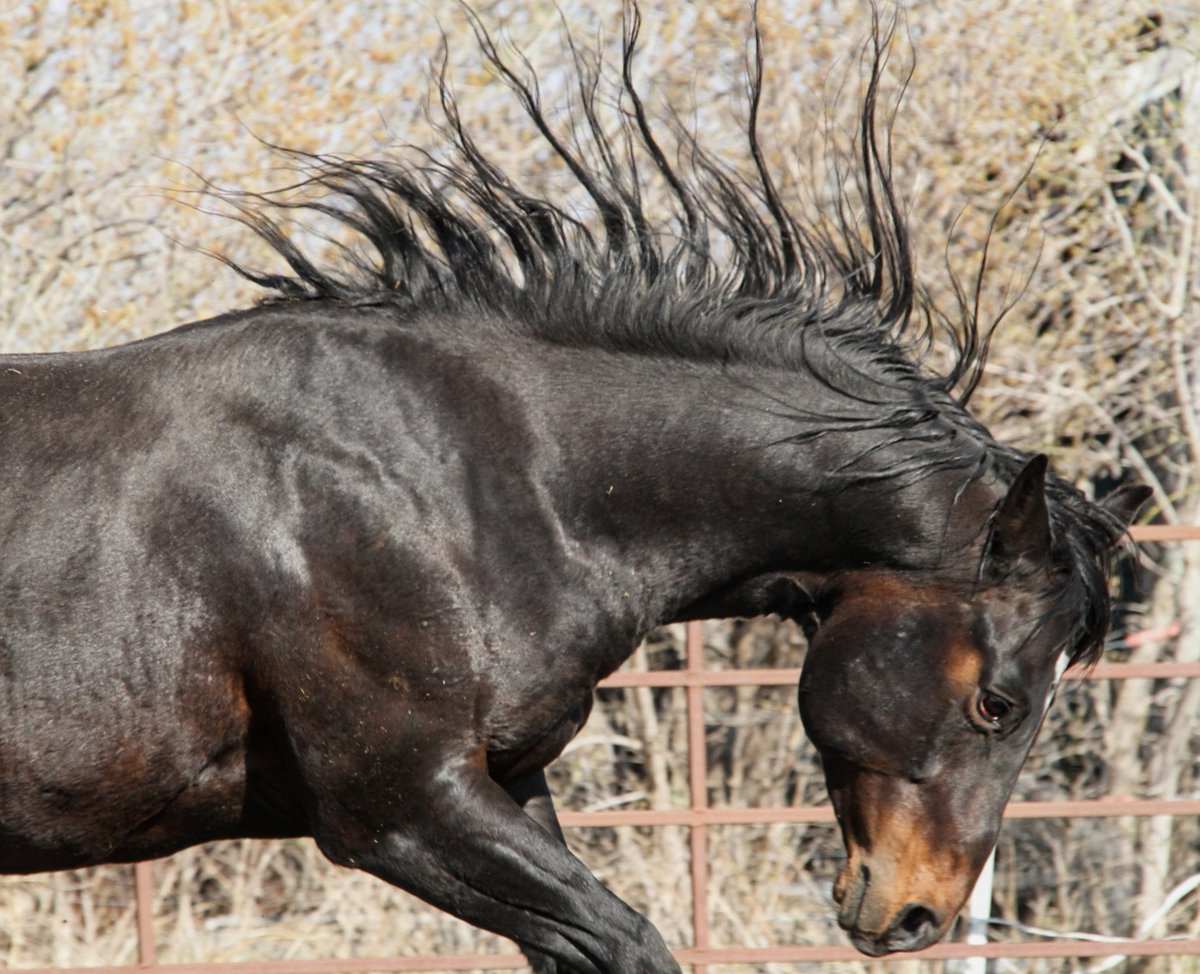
(350, 563)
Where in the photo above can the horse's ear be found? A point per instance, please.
(1020, 537)
(1125, 502)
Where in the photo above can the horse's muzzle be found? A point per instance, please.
(912, 927)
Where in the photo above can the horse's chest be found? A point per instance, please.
(520, 750)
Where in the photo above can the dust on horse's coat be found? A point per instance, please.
(351, 564)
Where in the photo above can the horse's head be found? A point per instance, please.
(924, 699)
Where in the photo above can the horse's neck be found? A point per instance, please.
(704, 475)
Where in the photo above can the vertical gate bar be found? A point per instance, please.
(143, 883)
(698, 779)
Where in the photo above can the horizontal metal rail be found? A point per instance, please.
(1165, 532)
(790, 676)
(823, 814)
(800, 954)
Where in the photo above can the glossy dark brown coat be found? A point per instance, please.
(351, 565)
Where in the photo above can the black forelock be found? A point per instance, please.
(1087, 539)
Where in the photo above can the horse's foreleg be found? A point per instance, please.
(463, 844)
(533, 795)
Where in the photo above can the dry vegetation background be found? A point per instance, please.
(111, 108)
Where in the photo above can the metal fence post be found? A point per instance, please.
(698, 777)
(143, 884)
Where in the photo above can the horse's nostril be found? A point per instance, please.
(852, 887)
(917, 921)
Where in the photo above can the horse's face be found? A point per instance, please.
(923, 701)
(923, 705)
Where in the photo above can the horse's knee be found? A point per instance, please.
(624, 942)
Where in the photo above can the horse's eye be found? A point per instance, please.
(994, 709)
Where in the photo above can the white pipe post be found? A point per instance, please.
(979, 912)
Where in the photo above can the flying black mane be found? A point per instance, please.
(731, 274)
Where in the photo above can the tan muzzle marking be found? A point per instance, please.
(899, 863)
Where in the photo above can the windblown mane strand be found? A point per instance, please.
(733, 275)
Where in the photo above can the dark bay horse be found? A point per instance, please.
(350, 564)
